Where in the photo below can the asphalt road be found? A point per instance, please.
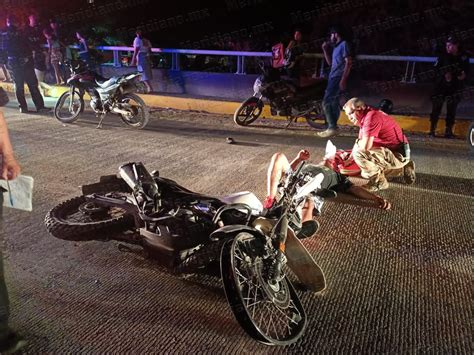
(399, 281)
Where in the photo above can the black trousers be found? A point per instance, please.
(452, 99)
(22, 72)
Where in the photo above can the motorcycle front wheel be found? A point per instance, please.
(139, 113)
(271, 314)
(67, 109)
(316, 118)
(79, 219)
(248, 111)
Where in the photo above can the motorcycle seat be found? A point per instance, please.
(244, 197)
(313, 87)
(106, 82)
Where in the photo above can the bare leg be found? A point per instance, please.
(149, 88)
(307, 211)
(57, 72)
(5, 73)
(278, 165)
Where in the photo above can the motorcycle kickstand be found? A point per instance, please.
(102, 116)
(290, 121)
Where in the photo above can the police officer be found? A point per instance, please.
(36, 38)
(21, 67)
(452, 69)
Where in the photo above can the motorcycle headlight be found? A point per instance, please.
(257, 86)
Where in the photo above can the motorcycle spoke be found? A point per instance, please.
(81, 217)
(285, 315)
(281, 321)
(273, 314)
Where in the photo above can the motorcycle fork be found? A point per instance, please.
(279, 261)
(71, 101)
(290, 121)
(129, 208)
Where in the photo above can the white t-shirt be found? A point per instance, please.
(139, 43)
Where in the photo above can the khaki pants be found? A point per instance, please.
(378, 161)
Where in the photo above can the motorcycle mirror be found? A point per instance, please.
(310, 186)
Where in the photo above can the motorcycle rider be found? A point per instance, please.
(280, 166)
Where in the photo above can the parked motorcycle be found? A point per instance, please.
(187, 231)
(285, 99)
(114, 95)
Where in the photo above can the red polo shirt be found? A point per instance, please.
(386, 132)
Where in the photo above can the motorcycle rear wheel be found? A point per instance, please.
(140, 111)
(77, 219)
(270, 314)
(64, 111)
(248, 111)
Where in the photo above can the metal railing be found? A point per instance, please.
(409, 76)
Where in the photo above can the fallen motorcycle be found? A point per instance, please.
(114, 95)
(187, 231)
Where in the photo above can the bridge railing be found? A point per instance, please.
(409, 76)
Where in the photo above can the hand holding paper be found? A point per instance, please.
(20, 193)
(10, 167)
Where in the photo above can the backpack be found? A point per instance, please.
(278, 55)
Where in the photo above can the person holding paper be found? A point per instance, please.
(10, 341)
(10, 167)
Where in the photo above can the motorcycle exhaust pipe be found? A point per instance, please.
(120, 111)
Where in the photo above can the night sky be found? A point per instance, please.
(399, 24)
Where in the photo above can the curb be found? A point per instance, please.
(419, 124)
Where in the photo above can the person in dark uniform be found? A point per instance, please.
(36, 39)
(21, 66)
(452, 69)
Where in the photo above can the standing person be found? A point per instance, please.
(55, 55)
(36, 38)
(294, 55)
(452, 69)
(84, 54)
(10, 341)
(142, 59)
(3, 66)
(21, 67)
(381, 148)
(341, 63)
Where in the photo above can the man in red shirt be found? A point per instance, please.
(379, 150)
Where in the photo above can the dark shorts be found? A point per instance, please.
(144, 66)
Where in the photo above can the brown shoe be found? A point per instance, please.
(409, 174)
(376, 183)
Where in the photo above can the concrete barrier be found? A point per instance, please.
(409, 123)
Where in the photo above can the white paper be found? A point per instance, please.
(330, 150)
(21, 191)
